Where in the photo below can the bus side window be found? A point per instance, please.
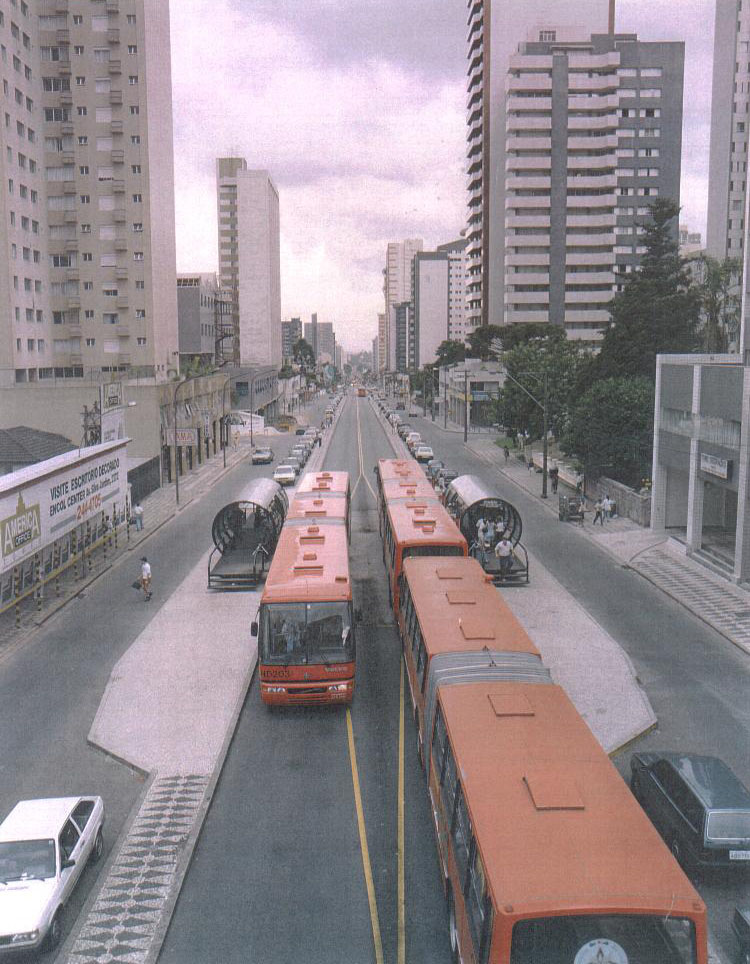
(413, 628)
(448, 781)
(479, 906)
(421, 663)
(438, 743)
(461, 834)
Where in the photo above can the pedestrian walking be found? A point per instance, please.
(146, 578)
(504, 555)
(138, 516)
(481, 529)
(599, 512)
(506, 452)
(607, 505)
(530, 464)
(554, 479)
(489, 533)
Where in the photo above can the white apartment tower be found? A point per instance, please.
(397, 288)
(88, 191)
(495, 29)
(593, 136)
(249, 259)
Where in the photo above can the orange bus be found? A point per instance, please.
(416, 527)
(455, 627)
(305, 626)
(361, 392)
(546, 856)
(322, 496)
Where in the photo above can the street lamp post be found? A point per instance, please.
(466, 404)
(544, 405)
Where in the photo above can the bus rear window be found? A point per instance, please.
(631, 939)
(431, 551)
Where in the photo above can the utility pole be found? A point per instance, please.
(466, 404)
(445, 398)
(545, 412)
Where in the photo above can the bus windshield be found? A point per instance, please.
(641, 939)
(303, 633)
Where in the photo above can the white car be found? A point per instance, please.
(423, 453)
(285, 474)
(44, 847)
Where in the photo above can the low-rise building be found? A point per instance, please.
(473, 383)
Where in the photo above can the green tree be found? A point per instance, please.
(526, 364)
(611, 428)
(658, 309)
(721, 300)
(509, 336)
(481, 339)
(450, 352)
(303, 355)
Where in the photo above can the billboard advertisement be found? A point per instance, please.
(55, 496)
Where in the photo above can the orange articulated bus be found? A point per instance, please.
(455, 627)
(546, 855)
(322, 496)
(305, 628)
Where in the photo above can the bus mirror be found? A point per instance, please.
(253, 629)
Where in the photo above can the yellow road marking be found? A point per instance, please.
(401, 899)
(363, 844)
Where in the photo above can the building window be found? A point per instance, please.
(85, 229)
(133, 80)
(141, 341)
(134, 109)
(83, 169)
(137, 198)
(82, 111)
(88, 285)
(135, 139)
(77, 19)
(83, 139)
(90, 342)
(140, 312)
(137, 256)
(87, 256)
(132, 48)
(85, 199)
(135, 168)
(138, 227)
(78, 50)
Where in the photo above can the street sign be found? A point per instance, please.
(187, 436)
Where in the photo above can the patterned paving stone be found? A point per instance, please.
(124, 919)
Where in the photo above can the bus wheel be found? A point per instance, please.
(453, 927)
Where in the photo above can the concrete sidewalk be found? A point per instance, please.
(661, 560)
(583, 658)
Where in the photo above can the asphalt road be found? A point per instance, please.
(50, 689)
(696, 680)
(278, 872)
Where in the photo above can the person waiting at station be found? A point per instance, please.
(504, 555)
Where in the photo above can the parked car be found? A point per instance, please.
(412, 439)
(433, 467)
(697, 804)
(295, 462)
(285, 474)
(404, 429)
(300, 430)
(262, 456)
(300, 452)
(44, 847)
(423, 453)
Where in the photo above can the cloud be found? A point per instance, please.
(362, 153)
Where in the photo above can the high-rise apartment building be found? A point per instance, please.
(291, 332)
(730, 123)
(375, 354)
(456, 251)
(202, 310)
(495, 29)
(249, 259)
(380, 361)
(397, 287)
(87, 210)
(593, 136)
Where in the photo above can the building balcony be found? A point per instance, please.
(72, 274)
(530, 82)
(61, 6)
(114, 67)
(122, 302)
(590, 240)
(71, 244)
(63, 68)
(539, 202)
(118, 187)
(583, 182)
(527, 62)
(116, 126)
(76, 358)
(603, 259)
(66, 98)
(121, 273)
(72, 330)
(528, 103)
(514, 163)
(113, 8)
(517, 142)
(122, 330)
(606, 84)
(512, 278)
(67, 158)
(536, 300)
(113, 35)
(593, 123)
(62, 37)
(514, 123)
(123, 358)
(118, 157)
(121, 244)
(587, 61)
(594, 277)
(526, 316)
(515, 182)
(67, 128)
(595, 314)
(70, 217)
(588, 297)
(72, 302)
(591, 201)
(540, 221)
(119, 216)
(591, 221)
(589, 163)
(69, 187)
(115, 97)
(536, 260)
(606, 142)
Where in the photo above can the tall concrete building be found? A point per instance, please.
(87, 212)
(291, 332)
(495, 29)
(201, 310)
(431, 305)
(249, 259)
(380, 361)
(594, 133)
(456, 251)
(397, 287)
(375, 354)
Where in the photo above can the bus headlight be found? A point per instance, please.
(338, 688)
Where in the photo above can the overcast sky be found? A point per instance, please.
(356, 107)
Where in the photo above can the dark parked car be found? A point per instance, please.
(300, 430)
(697, 804)
(433, 467)
(263, 456)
